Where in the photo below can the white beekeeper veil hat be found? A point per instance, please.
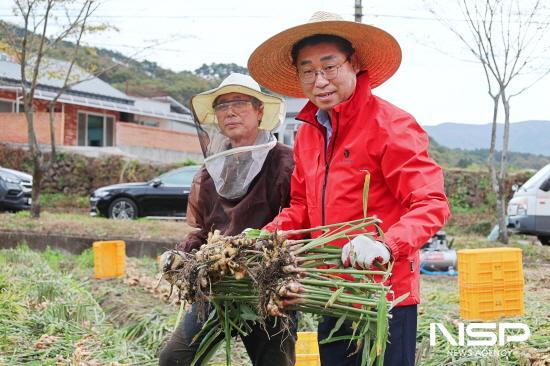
(274, 108)
(234, 168)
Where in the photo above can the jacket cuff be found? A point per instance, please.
(393, 247)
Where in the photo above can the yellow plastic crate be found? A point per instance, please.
(307, 349)
(109, 258)
(490, 267)
(490, 302)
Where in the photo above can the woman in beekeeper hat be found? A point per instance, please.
(235, 123)
(244, 184)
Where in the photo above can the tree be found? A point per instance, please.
(31, 47)
(509, 38)
(219, 71)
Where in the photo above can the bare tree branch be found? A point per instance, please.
(506, 41)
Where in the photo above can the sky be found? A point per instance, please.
(438, 80)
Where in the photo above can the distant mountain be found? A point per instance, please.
(477, 159)
(526, 137)
(139, 78)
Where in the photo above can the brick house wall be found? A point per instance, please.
(129, 134)
(65, 123)
(13, 127)
(124, 134)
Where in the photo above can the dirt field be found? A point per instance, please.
(53, 313)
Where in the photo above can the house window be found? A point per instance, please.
(95, 130)
(10, 106)
(6, 107)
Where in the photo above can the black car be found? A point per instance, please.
(15, 190)
(165, 195)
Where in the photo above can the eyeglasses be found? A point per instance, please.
(237, 106)
(329, 72)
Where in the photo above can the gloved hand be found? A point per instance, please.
(362, 251)
(169, 261)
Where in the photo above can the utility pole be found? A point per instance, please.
(358, 11)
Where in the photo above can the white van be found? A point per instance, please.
(529, 209)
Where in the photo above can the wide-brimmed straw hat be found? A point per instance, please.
(377, 51)
(274, 110)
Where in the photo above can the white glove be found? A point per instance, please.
(362, 251)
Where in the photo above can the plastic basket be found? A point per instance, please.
(490, 303)
(307, 349)
(109, 259)
(490, 267)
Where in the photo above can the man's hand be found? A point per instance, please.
(362, 251)
(288, 295)
(170, 261)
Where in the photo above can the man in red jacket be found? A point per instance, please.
(348, 132)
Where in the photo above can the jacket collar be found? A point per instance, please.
(343, 111)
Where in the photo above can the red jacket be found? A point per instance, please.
(406, 186)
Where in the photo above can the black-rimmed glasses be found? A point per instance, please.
(329, 72)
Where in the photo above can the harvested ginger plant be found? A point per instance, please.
(248, 277)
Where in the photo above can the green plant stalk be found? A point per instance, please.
(327, 249)
(319, 228)
(237, 296)
(332, 283)
(180, 314)
(354, 316)
(372, 303)
(341, 299)
(342, 271)
(319, 257)
(341, 307)
(335, 235)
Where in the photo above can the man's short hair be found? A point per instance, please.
(343, 44)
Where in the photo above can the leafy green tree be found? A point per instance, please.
(219, 71)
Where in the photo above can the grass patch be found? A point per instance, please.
(75, 224)
(64, 202)
(49, 318)
(86, 258)
(52, 312)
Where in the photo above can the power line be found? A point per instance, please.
(181, 17)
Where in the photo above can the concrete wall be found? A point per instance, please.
(77, 244)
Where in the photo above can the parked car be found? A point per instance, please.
(529, 209)
(15, 190)
(165, 195)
